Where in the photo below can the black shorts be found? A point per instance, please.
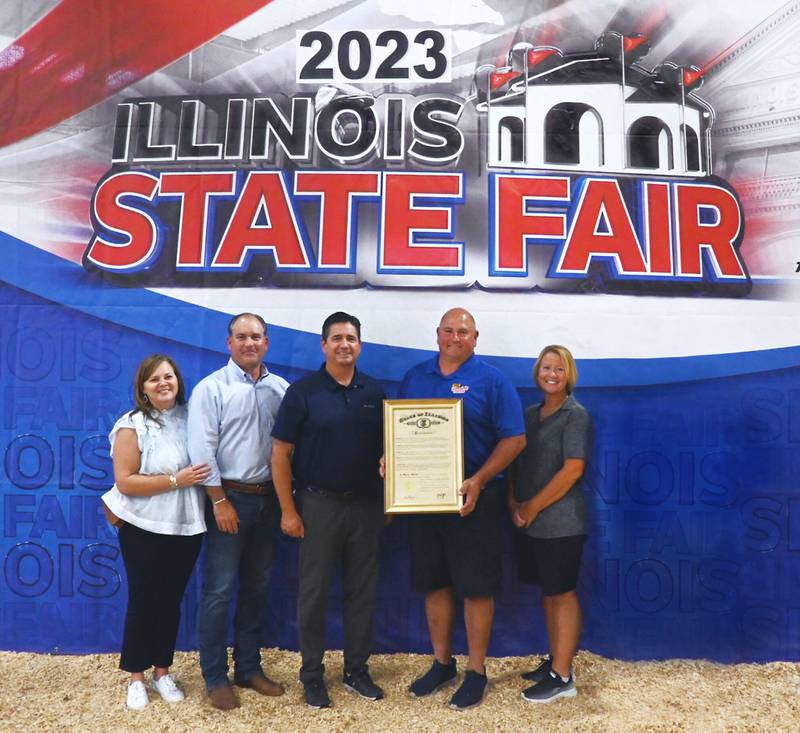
(551, 563)
(460, 552)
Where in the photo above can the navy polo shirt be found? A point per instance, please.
(492, 409)
(337, 432)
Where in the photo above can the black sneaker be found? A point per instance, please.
(361, 683)
(538, 674)
(434, 679)
(316, 694)
(471, 692)
(550, 688)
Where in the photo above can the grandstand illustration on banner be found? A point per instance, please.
(600, 111)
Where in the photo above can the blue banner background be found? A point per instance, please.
(695, 524)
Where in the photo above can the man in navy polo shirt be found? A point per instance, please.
(460, 555)
(328, 439)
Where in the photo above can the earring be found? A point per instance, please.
(146, 398)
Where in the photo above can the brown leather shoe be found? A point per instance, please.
(223, 698)
(262, 684)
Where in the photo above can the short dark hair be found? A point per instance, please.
(233, 320)
(340, 317)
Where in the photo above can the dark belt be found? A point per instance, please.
(260, 489)
(337, 495)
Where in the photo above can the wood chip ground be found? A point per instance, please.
(87, 693)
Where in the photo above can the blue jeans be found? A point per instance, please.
(246, 555)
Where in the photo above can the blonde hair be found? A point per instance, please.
(570, 368)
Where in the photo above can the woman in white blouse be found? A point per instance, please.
(157, 497)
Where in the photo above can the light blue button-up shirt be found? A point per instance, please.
(230, 421)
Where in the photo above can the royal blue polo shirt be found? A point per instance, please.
(337, 432)
(492, 409)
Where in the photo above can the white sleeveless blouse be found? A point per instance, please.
(163, 450)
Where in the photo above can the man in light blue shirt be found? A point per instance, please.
(231, 414)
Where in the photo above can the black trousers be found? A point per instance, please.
(158, 567)
(346, 532)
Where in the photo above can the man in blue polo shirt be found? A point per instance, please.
(460, 555)
(327, 441)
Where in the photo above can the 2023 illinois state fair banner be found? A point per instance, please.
(620, 177)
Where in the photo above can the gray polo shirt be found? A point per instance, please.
(567, 433)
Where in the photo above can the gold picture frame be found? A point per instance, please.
(424, 455)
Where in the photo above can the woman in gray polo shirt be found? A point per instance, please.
(547, 506)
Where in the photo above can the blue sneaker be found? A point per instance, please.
(471, 692)
(550, 688)
(434, 679)
(538, 674)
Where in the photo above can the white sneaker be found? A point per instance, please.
(168, 689)
(137, 695)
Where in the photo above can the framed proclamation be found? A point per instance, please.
(424, 454)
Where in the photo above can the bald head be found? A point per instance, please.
(460, 314)
(457, 337)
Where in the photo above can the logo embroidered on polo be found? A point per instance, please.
(459, 388)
